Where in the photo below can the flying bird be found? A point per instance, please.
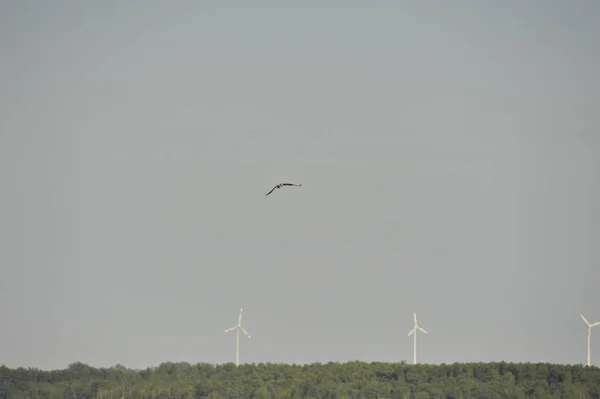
(277, 187)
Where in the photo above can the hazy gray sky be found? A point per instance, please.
(448, 153)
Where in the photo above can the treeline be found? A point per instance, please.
(331, 380)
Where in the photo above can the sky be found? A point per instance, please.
(447, 153)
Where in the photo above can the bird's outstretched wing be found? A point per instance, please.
(290, 184)
(273, 189)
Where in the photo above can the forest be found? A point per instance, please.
(331, 380)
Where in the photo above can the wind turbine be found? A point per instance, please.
(238, 327)
(414, 331)
(590, 325)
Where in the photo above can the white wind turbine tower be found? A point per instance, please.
(590, 325)
(238, 327)
(414, 331)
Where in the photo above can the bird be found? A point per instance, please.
(277, 187)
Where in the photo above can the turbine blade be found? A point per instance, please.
(411, 332)
(595, 324)
(245, 332)
(422, 330)
(240, 317)
(231, 329)
(584, 319)
(415, 317)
